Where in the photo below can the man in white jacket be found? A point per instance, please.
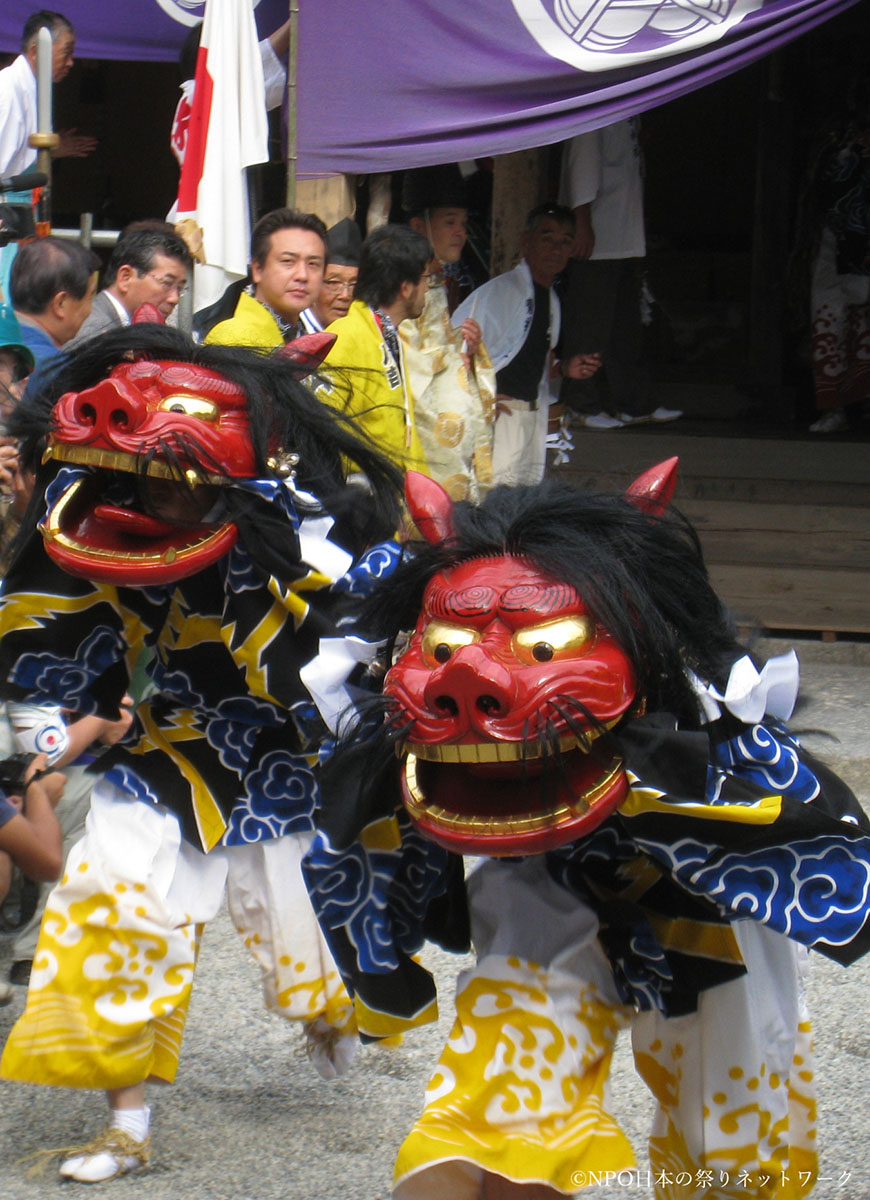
(18, 95)
(18, 113)
(518, 313)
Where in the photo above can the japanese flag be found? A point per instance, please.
(227, 132)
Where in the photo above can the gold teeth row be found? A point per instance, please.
(517, 823)
(492, 752)
(118, 460)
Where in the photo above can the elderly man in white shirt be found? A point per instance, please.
(18, 112)
(518, 313)
(18, 95)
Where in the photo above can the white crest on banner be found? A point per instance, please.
(187, 12)
(598, 35)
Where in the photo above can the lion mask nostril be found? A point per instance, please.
(447, 704)
(488, 705)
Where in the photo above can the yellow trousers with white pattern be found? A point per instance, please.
(116, 956)
(521, 1088)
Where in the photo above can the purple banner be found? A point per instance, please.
(138, 30)
(388, 86)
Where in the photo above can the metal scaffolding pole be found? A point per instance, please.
(44, 140)
(292, 140)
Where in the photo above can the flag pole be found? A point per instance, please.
(292, 139)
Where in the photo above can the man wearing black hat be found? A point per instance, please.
(449, 372)
(343, 242)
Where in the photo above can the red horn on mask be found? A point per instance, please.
(430, 507)
(652, 491)
(307, 352)
(148, 314)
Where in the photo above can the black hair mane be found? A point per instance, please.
(641, 576)
(283, 412)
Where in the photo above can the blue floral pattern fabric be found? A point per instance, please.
(378, 895)
(230, 738)
(728, 823)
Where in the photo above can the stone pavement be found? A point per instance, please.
(249, 1119)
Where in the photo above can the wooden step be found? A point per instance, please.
(762, 470)
(824, 536)
(783, 522)
(795, 597)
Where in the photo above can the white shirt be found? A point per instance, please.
(274, 76)
(17, 116)
(309, 322)
(119, 308)
(503, 308)
(603, 168)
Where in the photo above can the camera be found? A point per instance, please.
(17, 220)
(13, 771)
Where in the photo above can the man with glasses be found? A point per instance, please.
(343, 242)
(147, 266)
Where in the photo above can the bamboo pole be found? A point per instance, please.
(292, 133)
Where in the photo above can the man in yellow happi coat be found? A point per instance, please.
(365, 374)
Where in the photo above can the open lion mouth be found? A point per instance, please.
(506, 798)
(91, 536)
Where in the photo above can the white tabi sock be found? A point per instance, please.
(105, 1157)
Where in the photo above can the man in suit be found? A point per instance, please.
(148, 265)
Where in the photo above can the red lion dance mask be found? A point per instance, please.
(507, 690)
(156, 442)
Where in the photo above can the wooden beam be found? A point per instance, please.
(828, 537)
(519, 183)
(794, 598)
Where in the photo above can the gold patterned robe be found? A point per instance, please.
(453, 407)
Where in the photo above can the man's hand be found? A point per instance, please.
(8, 463)
(471, 332)
(73, 144)
(115, 730)
(579, 366)
(471, 335)
(50, 784)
